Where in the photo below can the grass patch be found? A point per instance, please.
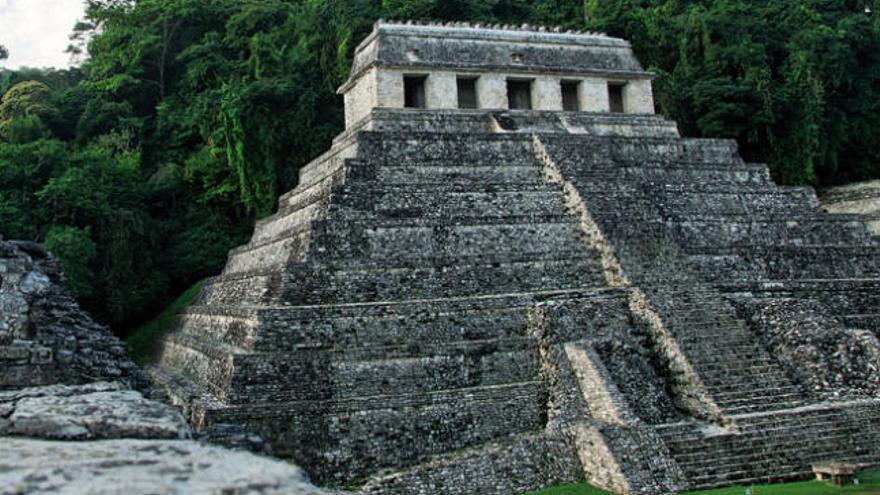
(869, 485)
(143, 344)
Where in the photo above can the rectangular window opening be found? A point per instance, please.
(570, 98)
(467, 92)
(519, 94)
(615, 97)
(414, 91)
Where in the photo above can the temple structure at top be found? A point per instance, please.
(464, 66)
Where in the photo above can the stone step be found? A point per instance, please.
(752, 452)
(367, 189)
(538, 460)
(733, 365)
(621, 149)
(460, 419)
(332, 164)
(843, 296)
(752, 175)
(794, 437)
(699, 235)
(464, 175)
(234, 326)
(758, 399)
(483, 203)
(240, 288)
(317, 284)
(736, 366)
(348, 221)
(209, 364)
(287, 220)
(189, 397)
(313, 190)
(758, 264)
(413, 149)
(393, 244)
(734, 394)
(847, 410)
(407, 260)
(721, 379)
(456, 419)
(275, 253)
(415, 322)
(324, 375)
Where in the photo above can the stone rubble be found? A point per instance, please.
(44, 336)
(71, 421)
(830, 360)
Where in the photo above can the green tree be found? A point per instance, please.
(27, 99)
(76, 250)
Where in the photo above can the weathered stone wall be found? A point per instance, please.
(638, 97)
(516, 466)
(383, 88)
(44, 336)
(829, 360)
(360, 98)
(492, 56)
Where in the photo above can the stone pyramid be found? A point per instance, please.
(552, 287)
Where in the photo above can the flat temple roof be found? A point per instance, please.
(481, 48)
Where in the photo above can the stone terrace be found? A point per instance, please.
(489, 300)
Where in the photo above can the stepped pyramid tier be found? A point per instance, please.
(483, 289)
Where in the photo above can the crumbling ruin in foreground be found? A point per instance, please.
(507, 273)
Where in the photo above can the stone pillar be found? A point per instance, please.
(492, 91)
(360, 98)
(594, 95)
(389, 89)
(546, 94)
(441, 90)
(638, 97)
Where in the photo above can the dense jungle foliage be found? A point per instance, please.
(188, 117)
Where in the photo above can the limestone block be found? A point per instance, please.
(389, 89)
(492, 91)
(547, 93)
(638, 97)
(594, 95)
(141, 467)
(102, 410)
(441, 90)
(361, 98)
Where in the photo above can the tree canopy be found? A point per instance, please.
(189, 117)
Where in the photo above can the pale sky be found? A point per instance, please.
(36, 31)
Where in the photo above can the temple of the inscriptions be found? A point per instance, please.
(508, 273)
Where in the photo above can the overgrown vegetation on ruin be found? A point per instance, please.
(189, 117)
